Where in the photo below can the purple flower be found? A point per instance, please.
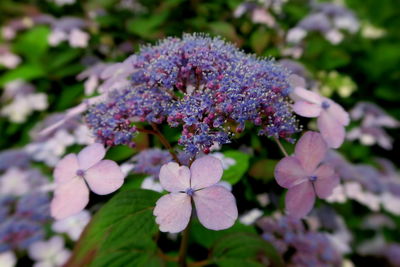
(304, 176)
(19, 234)
(75, 174)
(331, 117)
(204, 85)
(215, 205)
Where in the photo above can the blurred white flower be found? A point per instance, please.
(370, 31)
(349, 23)
(260, 15)
(49, 253)
(14, 182)
(73, 226)
(341, 237)
(334, 36)
(354, 191)
(64, 2)
(8, 33)
(151, 184)
(126, 168)
(263, 199)
(7, 259)
(226, 161)
(83, 136)
(391, 203)
(51, 150)
(23, 105)
(251, 216)
(296, 35)
(91, 84)
(9, 60)
(78, 38)
(56, 37)
(338, 195)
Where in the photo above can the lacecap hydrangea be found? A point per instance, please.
(206, 86)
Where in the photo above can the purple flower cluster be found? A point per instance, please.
(208, 87)
(22, 220)
(310, 248)
(23, 214)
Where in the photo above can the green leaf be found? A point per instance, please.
(70, 96)
(205, 237)
(235, 172)
(61, 59)
(259, 40)
(148, 26)
(121, 233)
(33, 44)
(120, 153)
(25, 72)
(244, 249)
(224, 29)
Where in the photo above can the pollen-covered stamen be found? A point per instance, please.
(313, 178)
(189, 191)
(325, 105)
(80, 173)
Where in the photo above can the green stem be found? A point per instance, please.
(281, 147)
(165, 142)
(184, 246)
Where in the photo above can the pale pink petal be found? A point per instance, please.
(205, 171)
(326, 181)
(300, 200)
(332, 131)
(311, 149)
(105, 177)
(66, 168)
(174, 178)
(307, 95)
(215, 207)
(338, 113)
(69, 198)
(306, 109)
(91, 155)
(173, 212)
(289, 172)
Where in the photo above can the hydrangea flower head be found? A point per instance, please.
(75, 174)
(304, 176)
(215, 205)
(331, 117)
(204, 85)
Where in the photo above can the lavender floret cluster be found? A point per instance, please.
(310, 248)
(206, 86)
(22, 220)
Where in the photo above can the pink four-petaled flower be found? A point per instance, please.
(75, 174)
(215, 205)
(332, 118)
(305, 176)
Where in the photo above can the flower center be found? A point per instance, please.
(312, 178)
(189, 191)
(80, 173)
(325, 105)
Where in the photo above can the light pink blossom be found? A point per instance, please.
(75, 174)
(332, 118)
(304, 176)
(215, 205)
